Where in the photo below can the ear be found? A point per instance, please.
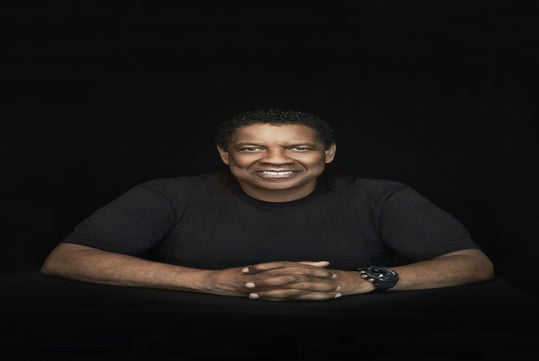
(224, 154)
(330, 153)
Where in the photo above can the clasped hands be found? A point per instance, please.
(283, 280)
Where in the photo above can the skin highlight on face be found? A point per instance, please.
(276, 163)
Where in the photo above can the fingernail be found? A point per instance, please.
(254, 296)
(338, 289)
(334, 276)
(250, 285)
(337, 295)
(245, 270)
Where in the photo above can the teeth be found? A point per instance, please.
(276, 173)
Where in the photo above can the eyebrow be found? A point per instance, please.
(246, 143)
(286, 145)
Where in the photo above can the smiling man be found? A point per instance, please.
(276, 163)
(274, 226)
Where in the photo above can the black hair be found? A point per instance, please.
(322, 128)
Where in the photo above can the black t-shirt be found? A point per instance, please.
(207, 221)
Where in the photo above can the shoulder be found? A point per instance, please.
(375, 191)
(374, 186)
(176, 182)
(186, 186)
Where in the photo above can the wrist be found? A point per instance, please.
(381, 278)
(357, 285)
(365, 286)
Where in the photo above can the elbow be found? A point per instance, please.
(485, 269)
(476, 265)
(490, 273)
(57, 262)
(67, 261)
(50, 266)
(44, 270)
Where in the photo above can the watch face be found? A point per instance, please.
(383, 274)
(383, 278)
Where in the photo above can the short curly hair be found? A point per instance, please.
(323, 129)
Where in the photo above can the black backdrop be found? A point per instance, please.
(438, 95)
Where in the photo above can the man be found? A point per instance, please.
(274, 226)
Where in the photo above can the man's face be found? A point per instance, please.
(276, 163)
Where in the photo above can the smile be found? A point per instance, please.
(276, 174)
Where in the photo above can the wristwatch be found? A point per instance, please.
(382, 278)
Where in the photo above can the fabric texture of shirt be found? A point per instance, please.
(208, 222)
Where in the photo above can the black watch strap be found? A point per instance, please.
(382, 278)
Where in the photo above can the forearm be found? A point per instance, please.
(87, 264)
(452, 269)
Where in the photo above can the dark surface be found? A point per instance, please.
(53, 319)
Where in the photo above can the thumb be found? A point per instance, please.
(316, 264)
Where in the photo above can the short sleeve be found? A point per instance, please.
(132, 224)
(416, 228)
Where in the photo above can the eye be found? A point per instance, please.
(301, 148)
(249, 149)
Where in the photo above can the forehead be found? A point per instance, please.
(281, 133)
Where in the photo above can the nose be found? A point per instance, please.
(276, 156)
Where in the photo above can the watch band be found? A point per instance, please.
(382, 278)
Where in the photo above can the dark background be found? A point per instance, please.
(437, 94)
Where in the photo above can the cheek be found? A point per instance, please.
(316, 162)
(240, 162)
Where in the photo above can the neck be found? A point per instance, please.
(285, 195)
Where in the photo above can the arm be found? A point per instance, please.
(284, 281)
(87, 264)
(451, 269)
(274, 281)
